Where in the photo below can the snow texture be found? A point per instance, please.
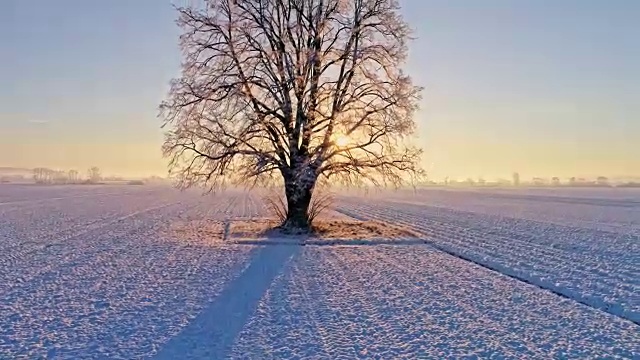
(130, 273)
(595, 264)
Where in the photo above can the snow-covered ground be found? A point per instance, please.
(97, 272)
(586, 250)
(413, 302)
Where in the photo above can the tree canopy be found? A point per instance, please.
(302, 89)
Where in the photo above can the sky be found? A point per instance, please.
(542, 87)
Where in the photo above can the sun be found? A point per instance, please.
(342, 140)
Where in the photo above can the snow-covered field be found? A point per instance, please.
(96, 272)
(584, 248)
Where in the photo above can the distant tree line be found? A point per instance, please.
(600, 181)
(48, 176)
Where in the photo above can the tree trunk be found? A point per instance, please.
(298, 201)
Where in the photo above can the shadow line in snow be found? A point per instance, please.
(511, 273)
(212, 333)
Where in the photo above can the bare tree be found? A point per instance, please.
(73, 176)
(60, 177)
(321, 200)
(94, 174)
(43, 175)
(38, 175)
(306, 89)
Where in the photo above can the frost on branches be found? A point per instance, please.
(306, 89)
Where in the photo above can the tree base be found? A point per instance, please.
(295, 227)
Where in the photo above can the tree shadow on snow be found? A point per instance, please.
(212, 333)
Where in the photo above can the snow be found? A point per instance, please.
(124, 272)
(610, 209)
(415, 302)
(593, 264)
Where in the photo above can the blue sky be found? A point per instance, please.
(546, 88)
